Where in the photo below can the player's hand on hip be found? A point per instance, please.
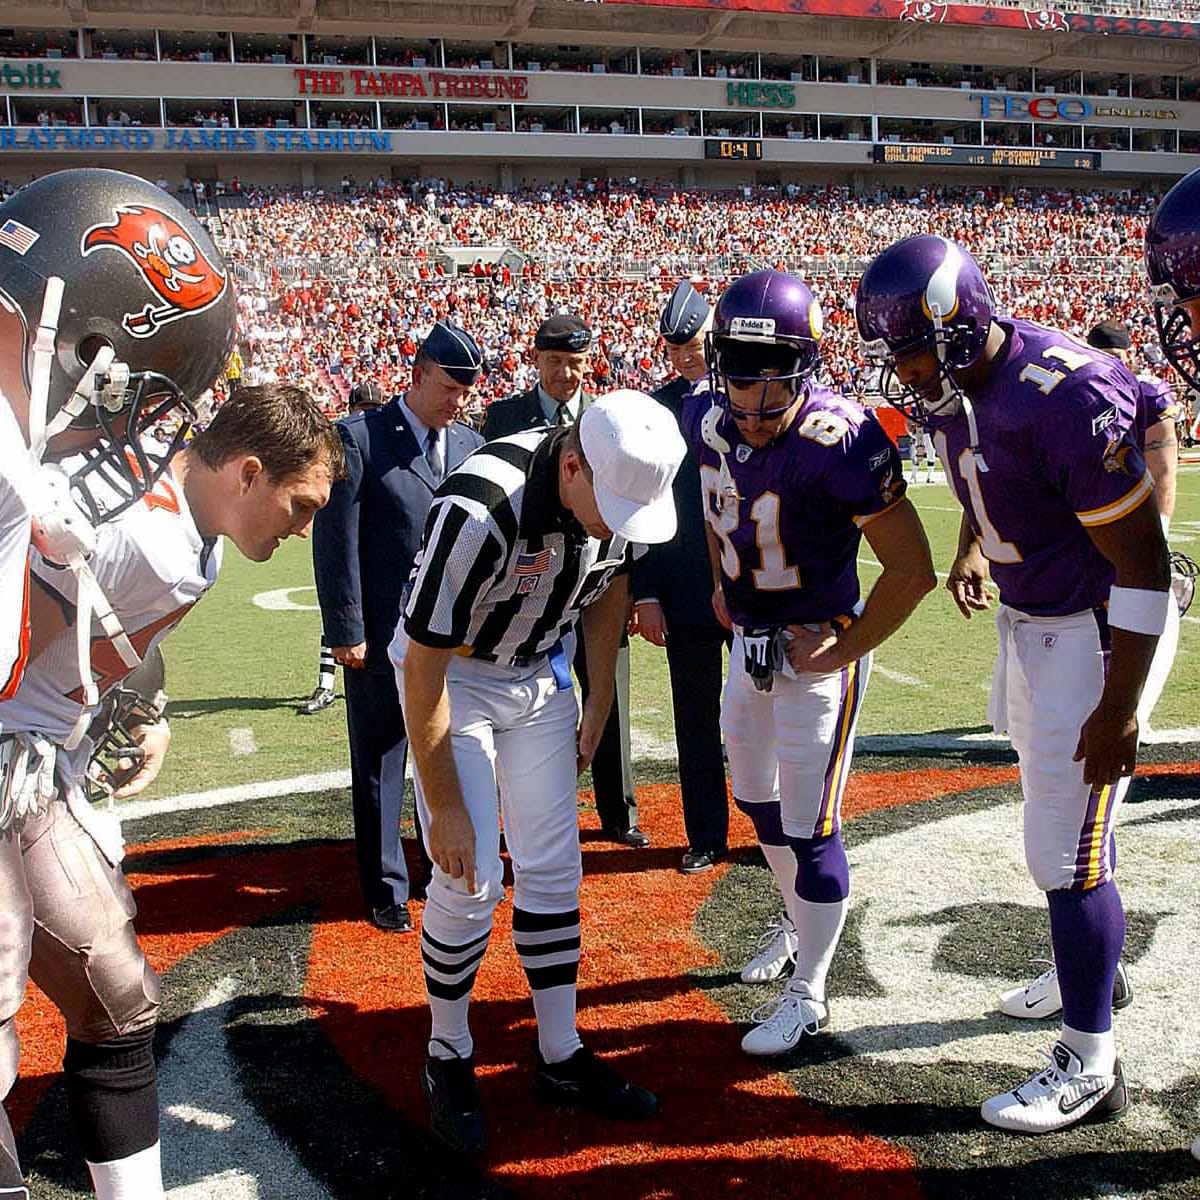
(1107, 746)
(813, 651)
(452, 844)
(587, 739)
(350, 656)
(966, 583)
(154, 740)
(650, 621)
(722, 613)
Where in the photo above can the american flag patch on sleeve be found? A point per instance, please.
(533, 564)
(17, 237)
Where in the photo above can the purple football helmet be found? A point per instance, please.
(767, 326)
(1173, 265)
(924, 295)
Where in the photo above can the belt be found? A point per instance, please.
(555, 654)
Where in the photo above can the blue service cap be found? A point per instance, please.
(455, 351)
(684, 315)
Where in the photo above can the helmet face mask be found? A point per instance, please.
(143, 325)
(132, 456)
(1174, 323)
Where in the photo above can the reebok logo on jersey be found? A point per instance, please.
(1104, 420)
(877, 460)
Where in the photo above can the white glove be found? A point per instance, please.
(60, 528)
(26, 776)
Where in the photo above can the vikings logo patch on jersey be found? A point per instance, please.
(1116, 457)
(743, 452)
(174, 268)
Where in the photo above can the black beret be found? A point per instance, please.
(1110, 335)
(563, 331)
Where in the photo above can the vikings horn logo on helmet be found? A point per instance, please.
(170, 262)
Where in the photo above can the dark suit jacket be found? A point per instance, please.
(366, 537)
(677, 573)
(518, 413)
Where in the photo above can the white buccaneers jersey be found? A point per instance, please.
(14, 586)
(15, 529)
(152, 565)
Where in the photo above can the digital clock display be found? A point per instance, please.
(732, 148)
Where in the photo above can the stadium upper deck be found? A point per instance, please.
(501, 91)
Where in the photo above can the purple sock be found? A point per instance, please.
(1087, 929)
(768, 824)
(822, 872)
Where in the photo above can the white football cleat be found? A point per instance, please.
(1042, 997)
(1058, 1096)
(777, 948)
(792, 1016)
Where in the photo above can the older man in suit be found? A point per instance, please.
(666, 583)
(364, 543)
(561, 348)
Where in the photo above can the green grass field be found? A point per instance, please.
(234, 667)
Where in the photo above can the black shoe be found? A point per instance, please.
(695, 861)
(454, 1113)
(321, 698)
(583, 1081)
(632, 836)
(392, 918)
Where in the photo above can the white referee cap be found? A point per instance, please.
(634, 449)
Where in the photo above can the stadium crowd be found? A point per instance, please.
(359, 274)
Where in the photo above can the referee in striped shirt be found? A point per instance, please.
(529, 532)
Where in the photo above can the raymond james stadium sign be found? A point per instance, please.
(1063, 108)
(448, 85)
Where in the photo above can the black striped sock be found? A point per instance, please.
(548, 946)
(449, 977)
(327, 668)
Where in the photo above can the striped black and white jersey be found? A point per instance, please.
(504, 569)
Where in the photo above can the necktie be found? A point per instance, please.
(562, 416)
(433, 455)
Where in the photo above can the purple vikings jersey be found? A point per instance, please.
(1056, 429)
(790, 520)
(1156, 402)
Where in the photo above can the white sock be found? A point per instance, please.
(558, 1037)
(1097, 1051)
(449, 977)
(138, 1177)
(818, 927)
(782, 861)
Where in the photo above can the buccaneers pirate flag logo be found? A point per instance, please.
(174, 267)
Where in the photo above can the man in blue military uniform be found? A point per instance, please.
(363, 395)
(666, 582)
(561, 347)
(364, 543)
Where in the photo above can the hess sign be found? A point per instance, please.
(732, 148)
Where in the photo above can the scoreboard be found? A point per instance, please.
(732, 148)
(986, 156)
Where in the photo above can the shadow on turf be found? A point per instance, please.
(197, 708)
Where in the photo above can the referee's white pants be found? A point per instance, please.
(793, 744)
(513, 738)
(1049, 676)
